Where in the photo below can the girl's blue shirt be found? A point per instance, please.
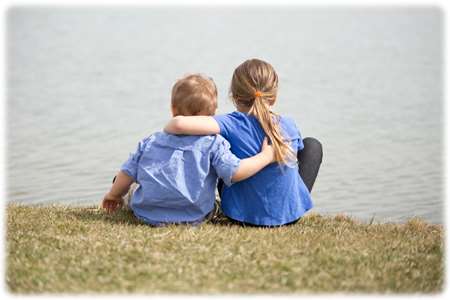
(277, 194)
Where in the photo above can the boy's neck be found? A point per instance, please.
(243, 110)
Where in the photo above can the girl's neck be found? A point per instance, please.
(246, 110)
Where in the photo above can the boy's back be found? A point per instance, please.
(177, 176)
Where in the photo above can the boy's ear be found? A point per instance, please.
(174, 111)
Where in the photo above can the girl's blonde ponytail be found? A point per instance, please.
(254, 86)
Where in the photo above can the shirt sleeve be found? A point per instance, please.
(292, 134)
(300, 145)
(224, 161)
(130, 166)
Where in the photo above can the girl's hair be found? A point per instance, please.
(254, 85)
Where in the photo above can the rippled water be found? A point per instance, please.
(85, 84)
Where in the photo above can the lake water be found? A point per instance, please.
(86, 83)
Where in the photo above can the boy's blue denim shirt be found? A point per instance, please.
(177, 176)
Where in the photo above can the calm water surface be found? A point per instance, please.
(85, 84)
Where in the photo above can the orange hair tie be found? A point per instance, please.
(258, 94)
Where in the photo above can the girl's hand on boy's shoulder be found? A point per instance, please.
(111, 203)
(267, 150)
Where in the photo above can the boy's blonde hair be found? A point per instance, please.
(194, 94)
(254, 86)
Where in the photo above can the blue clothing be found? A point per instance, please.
(177, 176)
(277, 194)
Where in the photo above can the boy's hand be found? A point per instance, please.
(267, 150)
(111, 203)
(251, 165)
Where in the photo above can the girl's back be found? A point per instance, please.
(274, 196)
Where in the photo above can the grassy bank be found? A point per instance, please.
(82, 250)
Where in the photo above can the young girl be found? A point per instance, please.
(277, 195)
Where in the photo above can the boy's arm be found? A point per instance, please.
(113, 199)
(252, 165)
(192, 125)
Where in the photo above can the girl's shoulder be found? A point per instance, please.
(235, 116)
(233, 121)
(238, 121)
(288, 122)
(289, 127)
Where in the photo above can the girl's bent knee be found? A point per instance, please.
(313, 145)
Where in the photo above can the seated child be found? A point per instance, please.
(177, 174)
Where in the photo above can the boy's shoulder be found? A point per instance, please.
(188, 141)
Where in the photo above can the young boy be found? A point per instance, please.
(177, 174)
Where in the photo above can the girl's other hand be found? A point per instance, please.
(267, 150)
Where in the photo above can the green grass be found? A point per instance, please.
(82, 250)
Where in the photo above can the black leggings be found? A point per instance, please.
(309, 160)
